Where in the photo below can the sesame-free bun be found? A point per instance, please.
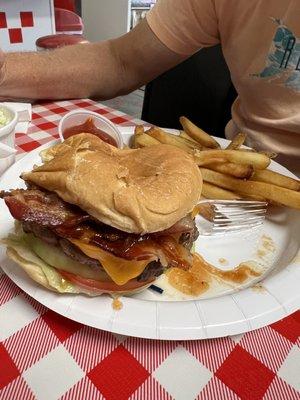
(135, 190)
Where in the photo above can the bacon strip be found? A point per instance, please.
(47, 210)
(43, 208)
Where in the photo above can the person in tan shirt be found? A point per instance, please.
(261, 44)
(260, 41)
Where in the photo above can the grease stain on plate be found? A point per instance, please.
(117, 305)
(204, 280)
(266, 247)
(223, 261)
(197, 279)
(259, 288)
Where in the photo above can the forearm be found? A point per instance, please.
(103, 70)
(79, 71)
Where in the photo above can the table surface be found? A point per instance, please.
(46, 356)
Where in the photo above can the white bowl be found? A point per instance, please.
(78, 117)
(7, 157)
(7, 132)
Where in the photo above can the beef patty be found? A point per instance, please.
(153, 269)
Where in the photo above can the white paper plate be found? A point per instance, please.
(224, 310)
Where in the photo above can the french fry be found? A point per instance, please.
(237, 141)
(256, 198)
(236, 170)
(266, 153)
(277, 194)
(189, 143)
(192, 141)
(144, 140)
(187, 137)
(276, 179)
(249, 150)
(166, 138)
(206, 210)
(269, 154)
(258, 161)
(139, 129)
(198, 134)
(215, 192)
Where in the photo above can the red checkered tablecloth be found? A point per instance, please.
(46, 356)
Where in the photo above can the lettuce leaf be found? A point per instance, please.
(39, 270)
(56, 281)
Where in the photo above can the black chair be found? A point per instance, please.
(199, 88)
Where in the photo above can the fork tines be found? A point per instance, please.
(234, 216)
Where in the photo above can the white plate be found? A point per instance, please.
(224, 310)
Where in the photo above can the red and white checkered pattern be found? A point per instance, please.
(46, 116)
(23, 22)
(46, 356)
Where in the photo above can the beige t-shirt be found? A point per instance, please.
(261, 44)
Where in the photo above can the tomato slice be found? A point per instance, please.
(102, 286)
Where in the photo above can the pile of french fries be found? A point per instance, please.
(228, 174)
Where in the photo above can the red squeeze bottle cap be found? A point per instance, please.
(67, 21)
(59, 40)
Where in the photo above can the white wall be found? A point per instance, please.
(105, 19)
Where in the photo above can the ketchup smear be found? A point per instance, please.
(89, 127)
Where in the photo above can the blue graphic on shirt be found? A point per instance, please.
(283, 60)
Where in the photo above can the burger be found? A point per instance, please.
(96, 219)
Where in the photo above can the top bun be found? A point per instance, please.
(135, 190)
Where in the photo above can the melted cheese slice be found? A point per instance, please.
(119, 269)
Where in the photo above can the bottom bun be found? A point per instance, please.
(50, 278)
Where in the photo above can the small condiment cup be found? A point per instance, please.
(7, 157)
(7, 132)
(78, 117)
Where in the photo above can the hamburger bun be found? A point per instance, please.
(135, 190)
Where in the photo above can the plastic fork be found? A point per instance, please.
(227, 216)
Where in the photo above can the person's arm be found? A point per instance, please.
(103, 70)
